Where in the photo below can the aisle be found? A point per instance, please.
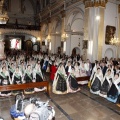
(78, 106)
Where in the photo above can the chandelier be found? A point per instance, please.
(64, 36)
(3, 19)
(3, 11)
(115, 41)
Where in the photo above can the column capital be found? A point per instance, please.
(95, 3)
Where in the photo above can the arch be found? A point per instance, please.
(109, 53)
(44, 28)
(73, 12)
(75, 51)
(56, 20)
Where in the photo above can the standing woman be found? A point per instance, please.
(59, 83)
(53, 70)
(28, 78)
(5, 80)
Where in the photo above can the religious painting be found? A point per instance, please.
(85, 44)
(14, 42)
(110, 32)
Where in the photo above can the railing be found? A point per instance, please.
(20, 26)
(26, 86)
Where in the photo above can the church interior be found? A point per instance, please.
(61, 57)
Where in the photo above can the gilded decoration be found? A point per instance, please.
(95, 3)
(110, 33)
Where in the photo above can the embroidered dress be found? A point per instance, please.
(17, 79)
(114, 91)
(59, 83)
(28, 78)
(73, 86)
(107, 82)
(5, 80)
(38, 77)
(96, 82)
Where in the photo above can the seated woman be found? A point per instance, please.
(114, 91)
(77, 71)
(59, 83)
(38, 77)
(93, 73)
(28, 78)
(11, 70)
(17, 79)
(5, 80)
(72, 84)
(107, 82)
(83, 73)
(96, 82)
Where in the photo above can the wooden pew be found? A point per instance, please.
(25, 86)
(83, 78)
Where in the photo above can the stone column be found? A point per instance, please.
(94, 28)
(63, 27)
(101, 32)
(118, 53)
(49, 31)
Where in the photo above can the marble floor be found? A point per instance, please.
(78, 106)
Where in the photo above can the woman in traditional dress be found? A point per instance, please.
(82, 73)
(114, 91)
(22, 67)
(53, 70)
(96, 82)
(93, 73)
(38, 77)
(17, 79)
(88, 67)
(72, 84)
(59, 83)
(28, 78)
(5, 80)
(107, 82)
(77, 71)
(11, 69)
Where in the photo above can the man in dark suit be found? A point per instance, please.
(103, 68)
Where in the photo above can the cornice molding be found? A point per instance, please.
(95, 3)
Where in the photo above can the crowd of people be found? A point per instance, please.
(105, 79)
(20, 68)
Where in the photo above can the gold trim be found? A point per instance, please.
(89, 3)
